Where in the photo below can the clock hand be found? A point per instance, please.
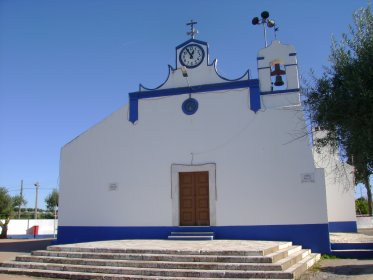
(190, 53)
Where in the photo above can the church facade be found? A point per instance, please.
(201, 152)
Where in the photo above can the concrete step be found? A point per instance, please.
(269, 258)
(160, 272)
(165, 251)
(351, 246)
(297, 269)
(157, 264)
(354, 253)
(352, 250)
(190, 237)
(293, 259)
(172, 264)
(155, 257)
(93, 276)
(283, 253)
(192, 233)
(263, 252)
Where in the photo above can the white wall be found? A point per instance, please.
(23, 227)
(259, 164)
(339, 184)
(364, 222)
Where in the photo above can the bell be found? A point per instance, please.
(279, 82)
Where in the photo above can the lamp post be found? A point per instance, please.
(36, 200)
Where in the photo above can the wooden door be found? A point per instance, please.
(194, 198)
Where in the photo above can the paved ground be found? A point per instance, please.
(326, 269)
(340, 269)
(10, 248)
(344, 268)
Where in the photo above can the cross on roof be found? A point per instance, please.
(192, 31)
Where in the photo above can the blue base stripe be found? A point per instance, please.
(354, 254)
(310, 236)
(343, 226)
(29, 236)
(352, 246)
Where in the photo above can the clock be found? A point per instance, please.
(191, 56)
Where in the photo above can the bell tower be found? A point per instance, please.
(277, 68)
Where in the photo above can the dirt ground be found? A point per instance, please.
(325, 269)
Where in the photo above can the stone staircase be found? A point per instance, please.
(352, 250)
(351, 245)
(275, 261)
(191, 235)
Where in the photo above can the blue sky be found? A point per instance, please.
(66, 65)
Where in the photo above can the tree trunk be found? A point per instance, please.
(4, 229)
(369, 193)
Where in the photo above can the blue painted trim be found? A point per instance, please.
(133, 109)
(191, 41)
(269, 67)
(280, 91)
(311, 236)
(170, 69)
(293, 64)
(353, 254)
(292, 54)
(255, 99)
(135, 96)
(194, 89)
(226, 79)
(347, 226)
(352, 246)
(260, 58)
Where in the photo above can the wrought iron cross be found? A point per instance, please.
(192, 31)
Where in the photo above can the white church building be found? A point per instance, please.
(205, 153)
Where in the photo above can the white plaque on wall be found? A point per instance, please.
(308, 177)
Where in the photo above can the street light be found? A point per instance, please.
(36, 200)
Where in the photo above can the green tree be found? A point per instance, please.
(341, 101)
(18, 201)
(6, 211)
(361, 206)
(51, 201)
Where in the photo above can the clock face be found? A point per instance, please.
(191, 56)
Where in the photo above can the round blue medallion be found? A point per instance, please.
(190, 106)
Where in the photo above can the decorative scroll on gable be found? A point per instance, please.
(193, 73)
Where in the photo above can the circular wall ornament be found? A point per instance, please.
(190, 106)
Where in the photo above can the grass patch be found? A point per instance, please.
(328, 257)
